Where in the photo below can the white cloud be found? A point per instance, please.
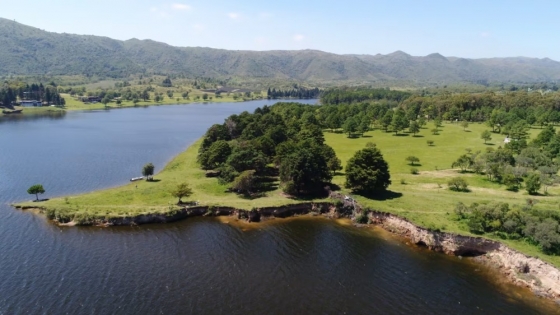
(180, 6)
(299, 37)
(233, 15)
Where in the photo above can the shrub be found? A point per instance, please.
(414, 171)
(362, 218)
(430, 142)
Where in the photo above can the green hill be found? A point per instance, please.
(26, 50)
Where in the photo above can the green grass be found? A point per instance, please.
(36, 111)
(75, 104)
(143, 197)
(425, 198)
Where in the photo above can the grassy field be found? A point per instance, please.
(75, 104)
(424, 198)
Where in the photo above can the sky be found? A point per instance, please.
(471, 29)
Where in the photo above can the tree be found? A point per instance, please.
(412, 159)
(435, 131)
(36, 190)
(182, 190)
(185, 95)
(399, 121)
(350, 126)
(305, 169)
(245, 183)
(105, 100)
(363, 127)
(533, 183)
(463, 162)
(486, 136)
(166, 82)
(430, 142)
(148, 171)
(386, 120)
(464, 124)
(216, 155)
(458, 184)
(421, 122)
(414, 128)
(367, 171)
(205, 96)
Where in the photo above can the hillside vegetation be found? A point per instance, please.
(26, 50)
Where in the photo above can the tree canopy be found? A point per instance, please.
(36, 190)
(367, 171)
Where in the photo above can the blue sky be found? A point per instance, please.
(473, 29)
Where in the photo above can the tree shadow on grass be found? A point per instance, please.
(418, 136)
(366, 136)
(401, 135)
(489, 144)
(415, 164)
(154, 180)
(382, 196)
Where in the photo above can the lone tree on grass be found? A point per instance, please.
(464, 162)
(414, 128)
(36, 190)
(458, 184)
(486, 136)
(148, 171)
(464, 124)
(367, 171)
(182, 190)
(430, 142)
(533, 183)
(412, 159)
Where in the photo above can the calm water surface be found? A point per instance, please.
(202, 266)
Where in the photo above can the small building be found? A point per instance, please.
(31, 103)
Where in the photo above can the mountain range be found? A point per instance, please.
(26, 50)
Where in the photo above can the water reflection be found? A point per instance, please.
(50, 115)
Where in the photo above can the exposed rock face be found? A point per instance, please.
(523, 270)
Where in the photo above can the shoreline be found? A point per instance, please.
(522, 270)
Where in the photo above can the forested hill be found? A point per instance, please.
(26, 50)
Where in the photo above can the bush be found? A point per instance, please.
(458, 184)
(533, 183)
(430, 142)
(362, 218)
(414, 171)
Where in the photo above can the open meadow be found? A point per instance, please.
(425, 198)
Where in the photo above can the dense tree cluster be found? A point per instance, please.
(11, 93)
(359, 95)
(296, 92)
(534, 164)
(285, 140)
(540, 227)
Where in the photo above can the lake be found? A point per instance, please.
(202, 265)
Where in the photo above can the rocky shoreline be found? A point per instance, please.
(542, 278)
